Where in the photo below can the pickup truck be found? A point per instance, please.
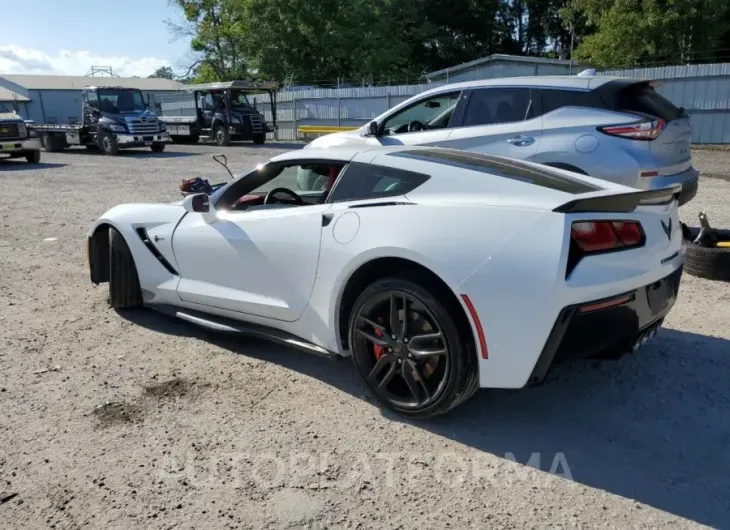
(112, 118)
(17, 140)
(221, 112)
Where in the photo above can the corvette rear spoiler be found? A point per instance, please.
(621, 202)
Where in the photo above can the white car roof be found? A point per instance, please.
(422, 157)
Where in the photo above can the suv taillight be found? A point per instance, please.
(596, 237)
(643, 130)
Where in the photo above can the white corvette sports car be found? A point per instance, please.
(438, 271)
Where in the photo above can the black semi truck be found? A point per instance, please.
(112, 118)
(223, 112)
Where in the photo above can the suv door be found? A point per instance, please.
(499, 121)
(428, 121)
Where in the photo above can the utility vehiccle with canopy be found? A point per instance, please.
(223, 112)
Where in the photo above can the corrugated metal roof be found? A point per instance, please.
(239, 84)
(356, 92)
(7, 95)
(674, 72)
(71, 82)
(499, 57)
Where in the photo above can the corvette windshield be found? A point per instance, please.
(217, 193)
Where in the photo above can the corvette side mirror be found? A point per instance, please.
(197, 203)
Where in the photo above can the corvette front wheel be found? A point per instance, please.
(408, 349)
(124, 290)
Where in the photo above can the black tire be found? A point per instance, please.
(259, 138)
(222, 136)
(157, 147)
(455, 374)
(34, 157)
(108, 143)
(124, 290)
(53, 143)
(711, 263)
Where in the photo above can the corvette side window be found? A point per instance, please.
(368, 181)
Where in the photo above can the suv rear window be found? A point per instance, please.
(641, 97)
(554, 99)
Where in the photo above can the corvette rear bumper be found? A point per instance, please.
(609, 327)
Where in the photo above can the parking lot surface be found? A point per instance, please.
(131, 420)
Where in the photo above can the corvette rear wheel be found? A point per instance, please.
(124, 290)
(407, 347)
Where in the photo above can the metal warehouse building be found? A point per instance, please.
(57, 98)
(8, 96)
(499, 65)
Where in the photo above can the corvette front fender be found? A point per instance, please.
(126, 219)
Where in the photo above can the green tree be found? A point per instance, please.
(622, 33)
(164, 72)
(323, 40)
(215, 29)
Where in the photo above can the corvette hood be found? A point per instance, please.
(339, 139)
(141, 214)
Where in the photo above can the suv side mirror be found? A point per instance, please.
(373, 128)
(197, 203)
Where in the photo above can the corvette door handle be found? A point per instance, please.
(521, 141)
(327, 218)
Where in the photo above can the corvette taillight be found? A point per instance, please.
(600, 236)
(596, 237)
(643, 130)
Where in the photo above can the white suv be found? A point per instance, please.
(611, 128)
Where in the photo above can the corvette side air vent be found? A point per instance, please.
(142, 233)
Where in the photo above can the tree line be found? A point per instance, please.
(388, 41)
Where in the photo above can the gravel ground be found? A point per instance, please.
(133, 420)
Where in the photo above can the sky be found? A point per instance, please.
(68, 37)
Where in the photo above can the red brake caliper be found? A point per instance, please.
(378, 350)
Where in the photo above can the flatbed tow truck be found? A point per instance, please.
(113, 118)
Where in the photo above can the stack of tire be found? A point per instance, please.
(711, 262)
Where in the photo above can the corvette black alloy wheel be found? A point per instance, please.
(401, 349)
